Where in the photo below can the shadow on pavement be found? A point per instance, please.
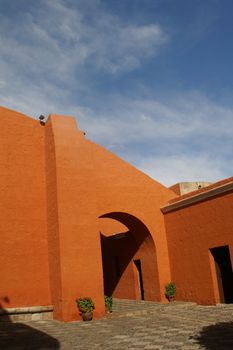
(21, 336)
(216, 337)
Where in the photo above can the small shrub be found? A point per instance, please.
(170, 290)
(85, 304)
(108, 302)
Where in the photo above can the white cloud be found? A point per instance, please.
(129, 46)
(181, 168)
(56, 39)
(188, 138)
(187, 116)
(47, 53)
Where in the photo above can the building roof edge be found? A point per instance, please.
(216, 189)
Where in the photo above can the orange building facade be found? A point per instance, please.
(199, 229)
(76, 221)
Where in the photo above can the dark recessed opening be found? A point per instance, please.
(223, 267)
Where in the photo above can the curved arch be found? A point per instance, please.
(129, 260)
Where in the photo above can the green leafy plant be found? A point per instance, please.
(108, 302)
(85, 304)
(170, 290)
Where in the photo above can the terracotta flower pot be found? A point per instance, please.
(87, 316)
(107, 311)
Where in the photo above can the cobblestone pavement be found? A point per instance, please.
(133, 326)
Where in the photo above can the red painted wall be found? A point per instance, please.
(122, 188)
(23, 220)
(55, 186)
(120, 273)
(59, 191)
(91, 182)
(191, 232)
(75, 220)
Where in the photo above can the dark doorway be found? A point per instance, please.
(117, 270)
(129, 260)
(223, 266)
(138, 266)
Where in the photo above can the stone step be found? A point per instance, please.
(29, 313)
(127, 305)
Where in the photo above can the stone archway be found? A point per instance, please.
(129, 260)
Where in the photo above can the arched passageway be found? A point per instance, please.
(129, 260)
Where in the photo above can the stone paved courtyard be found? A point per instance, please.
(133, 326)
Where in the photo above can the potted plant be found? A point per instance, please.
(86, 307)
(170, 291)
(108, 303)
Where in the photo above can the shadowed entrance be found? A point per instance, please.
(224, 274)
(129, 260)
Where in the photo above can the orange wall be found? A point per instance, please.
(24, 256)
(120, 187)
(55, 185)
(92, 182)
(124, 283)
(77, 246)
(128, 288)
(191, 232)
(52, 221)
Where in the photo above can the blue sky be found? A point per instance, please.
(150, 80)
